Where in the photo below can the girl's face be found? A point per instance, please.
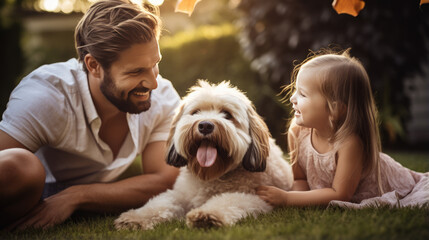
(310, 106)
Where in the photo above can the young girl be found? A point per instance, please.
(334, 142)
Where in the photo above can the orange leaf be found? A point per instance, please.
(186, 6)
(424, 2)
(351, 7)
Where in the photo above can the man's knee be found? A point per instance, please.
(22, 179)
(20, 170)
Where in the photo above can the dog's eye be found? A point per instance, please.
(227, 114)
(195, 111)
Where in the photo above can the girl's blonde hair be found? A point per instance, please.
(345, 84)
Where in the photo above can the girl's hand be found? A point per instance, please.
(274, 196)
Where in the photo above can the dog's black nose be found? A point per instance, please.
(205, 127)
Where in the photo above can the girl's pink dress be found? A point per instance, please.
(402, 186)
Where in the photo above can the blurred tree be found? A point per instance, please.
(387, 36)
(11, 59)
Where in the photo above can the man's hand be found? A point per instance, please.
(51, 211)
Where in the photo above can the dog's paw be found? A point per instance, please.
(133, 221)
(200, 219)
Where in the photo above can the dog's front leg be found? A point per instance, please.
(161, 208)
(226, 209)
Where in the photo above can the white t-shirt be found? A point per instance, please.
(51, 112)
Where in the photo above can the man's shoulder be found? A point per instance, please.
(58, 67)
(67, 72)
(43, 104)
(49, 89)
(51, 81)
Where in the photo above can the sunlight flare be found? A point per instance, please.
(49, 5)
(156, 2)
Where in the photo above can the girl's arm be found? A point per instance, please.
(346, 180)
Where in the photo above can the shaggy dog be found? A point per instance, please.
(225, 151)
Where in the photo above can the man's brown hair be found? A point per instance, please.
(111, 26)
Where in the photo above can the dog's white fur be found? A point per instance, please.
(224, 193)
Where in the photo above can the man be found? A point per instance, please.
(71, 129)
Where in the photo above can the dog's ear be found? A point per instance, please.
(256, 156)
(173, 158)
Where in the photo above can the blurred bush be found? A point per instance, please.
(11, 57)
(213, 53)
(47, 47)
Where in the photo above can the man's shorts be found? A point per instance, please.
(53, 188)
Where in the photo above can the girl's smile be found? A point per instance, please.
(297, 112)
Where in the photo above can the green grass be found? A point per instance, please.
(286, 223)
(417, 161)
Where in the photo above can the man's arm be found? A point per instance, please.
(118, 196)
(135, 191)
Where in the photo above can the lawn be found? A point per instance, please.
(287, 223)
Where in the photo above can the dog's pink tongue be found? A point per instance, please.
(206, 154)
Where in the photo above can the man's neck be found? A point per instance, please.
(105, 109)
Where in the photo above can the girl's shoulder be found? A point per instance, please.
(352, 140)
(351, 145)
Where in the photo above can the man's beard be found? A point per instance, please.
(108, 88)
